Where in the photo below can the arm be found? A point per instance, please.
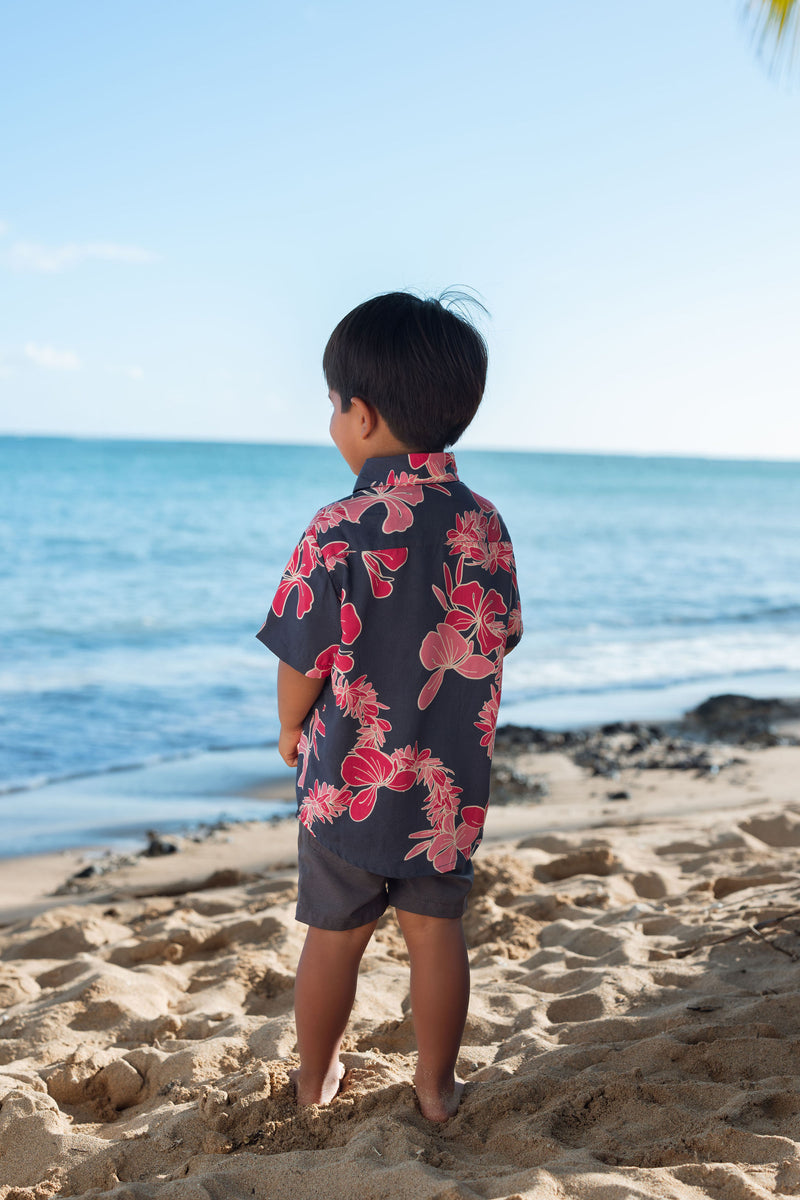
(296, 695)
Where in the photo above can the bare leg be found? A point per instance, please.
(439, 1000)
(324, 991)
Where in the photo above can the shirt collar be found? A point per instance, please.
(438, 467)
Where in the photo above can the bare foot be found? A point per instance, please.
(439, 1106)
(314, 1093)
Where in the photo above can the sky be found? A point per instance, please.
(192, 194)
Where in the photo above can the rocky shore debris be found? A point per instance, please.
(158, 845)
(700, 742)
(510, 785)
(85, 880)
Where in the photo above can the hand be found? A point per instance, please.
(287, 745)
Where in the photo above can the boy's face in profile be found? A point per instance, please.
(361, 432)
(344, 430)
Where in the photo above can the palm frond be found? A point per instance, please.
(776, 18)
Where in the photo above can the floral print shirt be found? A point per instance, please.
(403, 598)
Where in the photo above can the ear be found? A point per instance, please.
(367, 416)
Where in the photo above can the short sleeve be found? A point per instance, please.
(303, 625)
(514, 623)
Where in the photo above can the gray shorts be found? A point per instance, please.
(332, 894)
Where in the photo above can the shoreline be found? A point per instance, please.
(620, 763)
(231, 787)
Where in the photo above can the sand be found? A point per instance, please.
(633, 1028)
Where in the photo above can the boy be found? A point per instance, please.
(390, 623)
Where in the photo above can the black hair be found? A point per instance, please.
(421, 365)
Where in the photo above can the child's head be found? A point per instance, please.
(421, 366)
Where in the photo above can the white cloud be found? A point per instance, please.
(4, 228)
(51, 359)
(33, 256)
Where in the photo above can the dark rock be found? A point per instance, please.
(86, 873)
(157, 846)
(731, 709)
(623, 795)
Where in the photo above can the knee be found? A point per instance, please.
(423, 929)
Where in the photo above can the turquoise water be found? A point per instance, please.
(134, 576)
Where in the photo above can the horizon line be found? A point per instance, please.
(210, 440)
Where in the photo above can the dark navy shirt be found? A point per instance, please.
(403, 598)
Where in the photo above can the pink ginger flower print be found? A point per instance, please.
(371, 769)
(487, 720)
(500, 557)
(442, 845)
(435, 777)
(468, 539)
(477, 538)
(359, 699)
(444, 649)
(374, 734)
(301, 564)
(378, 561)
(323, 802)
(515, 622)
(435, 469)
(309, 742)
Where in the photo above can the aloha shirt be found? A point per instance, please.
(403, 598)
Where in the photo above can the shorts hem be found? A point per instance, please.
(364, 916)
(446, 912)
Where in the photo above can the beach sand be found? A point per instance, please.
(633, 1028)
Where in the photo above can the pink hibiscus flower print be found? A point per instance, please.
(476, 610)
(300, 566)
(369, 770)
(398, 501)
(442, 845)
(334, 553)
(351, 623)
(439, 465)
(323, 802)
(444, 649)
(329, 660)
(379, 561)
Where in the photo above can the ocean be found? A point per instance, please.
(136, 574)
